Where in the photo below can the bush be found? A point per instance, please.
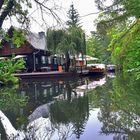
(7, 69)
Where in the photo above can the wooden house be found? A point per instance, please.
(33, 51)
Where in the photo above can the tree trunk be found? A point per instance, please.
(67, 62)
(6, 11)
(1, 3)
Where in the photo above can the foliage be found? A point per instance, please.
(18, 38)
(15, 36)
(10, 100)
(66, 46)
(123, 36)
(78, 38)
(119, 105)
(90, 49)
(14, 8)
(97, 46)
(66, 42)
(75, 112)
(59, 41)
(8, 68)
(118, 10)
(125, 47)
(53, 38)
(22, 12)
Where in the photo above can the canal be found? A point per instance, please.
(87, 108)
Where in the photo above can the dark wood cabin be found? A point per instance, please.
(34, 52)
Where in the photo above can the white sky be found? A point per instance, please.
(83, 7)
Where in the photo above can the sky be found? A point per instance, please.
(84, 7)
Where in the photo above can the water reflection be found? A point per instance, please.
(55, 105)
(87, 108)
(119, 108)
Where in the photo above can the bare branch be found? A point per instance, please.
(42, 5)
(90, 14)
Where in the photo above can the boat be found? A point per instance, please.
(96, 69)
(110, 68)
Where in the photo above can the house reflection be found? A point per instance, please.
(70, 106)
(53, 105)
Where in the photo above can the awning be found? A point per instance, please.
(19, 56)
(2, 58)
(86, 57)
(91, 58)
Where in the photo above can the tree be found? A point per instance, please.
(120, 22)
(19, 9)
(73, 17)
(68, 42)
(97, 46)
(59, 42)
(78, 38)
(125, 48)
(77, 34)
(117, 11)
(90, 50)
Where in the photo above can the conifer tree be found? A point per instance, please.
(73, 16)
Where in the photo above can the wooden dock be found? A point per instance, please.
(51, 74)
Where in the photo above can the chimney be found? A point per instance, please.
(41, 34)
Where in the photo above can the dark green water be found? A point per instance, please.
(88, 108)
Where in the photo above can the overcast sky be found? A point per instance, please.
(83, 7)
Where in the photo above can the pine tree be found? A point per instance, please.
(73, 16)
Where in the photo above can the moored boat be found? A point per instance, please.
(110, 68)
(96, 69)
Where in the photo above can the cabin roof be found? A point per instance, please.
(36, 40)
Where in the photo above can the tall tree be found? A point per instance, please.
(74, 28)
(73, 17)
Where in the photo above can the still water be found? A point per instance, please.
(88, 108)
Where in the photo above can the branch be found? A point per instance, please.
(90, 14)
(123, 35)
(105, 10)
(99, 3)
(42, 5)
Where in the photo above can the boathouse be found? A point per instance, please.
(33, 51)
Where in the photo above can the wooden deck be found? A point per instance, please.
(52, 74)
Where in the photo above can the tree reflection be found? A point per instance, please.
(11, 103)
(9, 99)
(68, 115)
(75, 112)
(119, 107)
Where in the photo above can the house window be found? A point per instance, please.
(11, 45)
(43, 59)
(55, 60)
(49, 60)
(36, 60)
